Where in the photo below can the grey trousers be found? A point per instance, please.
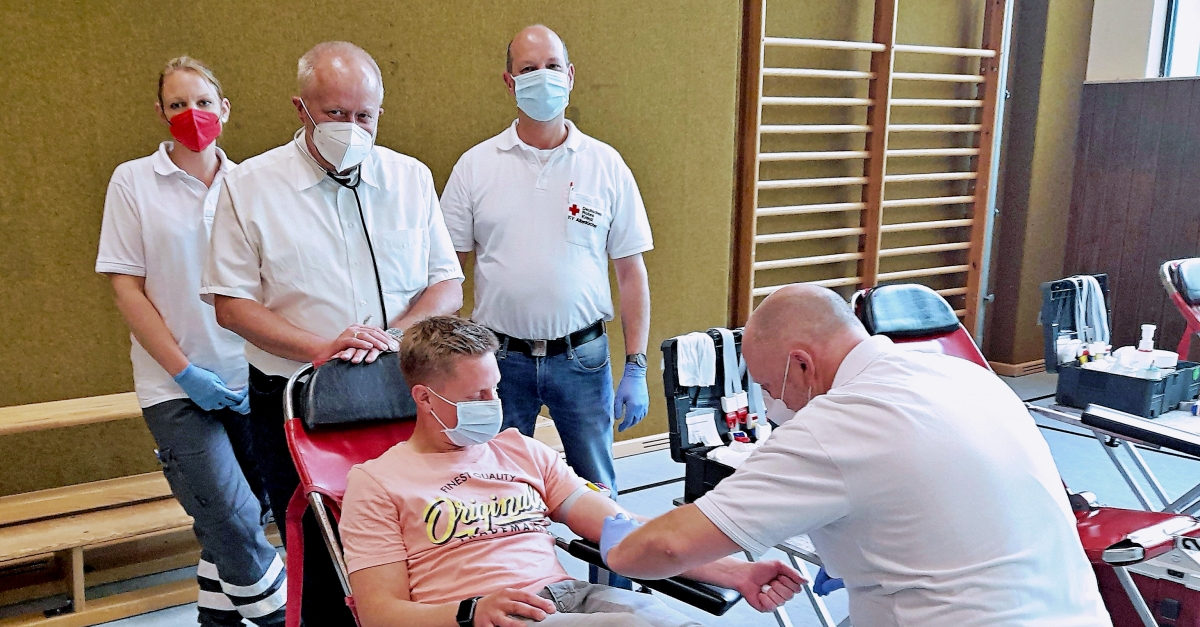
(586, 604)
(203, 455)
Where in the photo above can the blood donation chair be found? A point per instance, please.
(1181, 279)
(1147, 564)
(340, 414)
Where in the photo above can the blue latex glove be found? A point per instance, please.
(614, 530)
(824, 584)
(208, 391)
(633, 400)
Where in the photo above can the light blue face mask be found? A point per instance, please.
(478, 421)
(543, 94)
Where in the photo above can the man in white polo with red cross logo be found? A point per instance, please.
(544, 207)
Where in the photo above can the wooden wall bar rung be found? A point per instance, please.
(926, 226)
(922, 272)
(930, 176)
(787, 72)
(934, 128)
(794, 101)
(797, 210)
(954, 52)
(799, 236)
(830, 283)
(922, 250)
(934, 152)
(827, 44)
(961, 313)
(927, 202)
(936, 102)
(800, 262)
(798, 129)
(936, 77)
(826, 155)
(835, 181)
(953, 291)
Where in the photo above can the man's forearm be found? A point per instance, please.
(396, 613)
(268, 330)
(440, 299)
(680, 541)
(633, 283)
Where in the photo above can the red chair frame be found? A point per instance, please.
(1191, 315)
(323, 459)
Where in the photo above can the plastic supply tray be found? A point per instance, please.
(1078, 387)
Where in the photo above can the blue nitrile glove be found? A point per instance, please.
(615, 529)
(208, 391)
(824, 584)
(633, 400)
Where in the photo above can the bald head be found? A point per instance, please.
(802, 331)
(337, 63)
(535, 44)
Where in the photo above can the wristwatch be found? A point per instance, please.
(636, 358)
(466, 612)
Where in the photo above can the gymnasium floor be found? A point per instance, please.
(1081, 461)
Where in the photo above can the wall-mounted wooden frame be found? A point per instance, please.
(903, 231)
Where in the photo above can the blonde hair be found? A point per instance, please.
(192, 65)
(430, 347)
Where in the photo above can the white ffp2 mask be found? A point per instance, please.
(478, 421)
(342, 144)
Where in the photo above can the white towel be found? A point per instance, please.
(696, 359)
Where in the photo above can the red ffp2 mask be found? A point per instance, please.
(195, 128)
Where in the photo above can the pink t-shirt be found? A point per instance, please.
(466, 523)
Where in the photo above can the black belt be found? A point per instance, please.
(549, 348)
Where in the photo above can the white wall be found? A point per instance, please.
(1126, 39)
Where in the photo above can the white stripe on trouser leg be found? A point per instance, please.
(265, 606)
(262, 585)
(208, 570)
(216, 601)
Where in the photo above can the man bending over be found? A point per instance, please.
(452, 526)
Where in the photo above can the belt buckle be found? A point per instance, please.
(537, 348)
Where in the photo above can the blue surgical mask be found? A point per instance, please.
(478, 421)
(543, 94)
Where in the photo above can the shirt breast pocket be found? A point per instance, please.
(587, 221)
(401, 259)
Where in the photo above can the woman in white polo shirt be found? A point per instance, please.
(189, 373)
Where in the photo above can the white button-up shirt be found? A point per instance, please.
(289, 237)
(156, 225)
(543, 232)
(925, 484)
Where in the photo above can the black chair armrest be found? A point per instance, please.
(711, 599)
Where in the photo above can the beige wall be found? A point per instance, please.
(655, 80)
(1126, 39)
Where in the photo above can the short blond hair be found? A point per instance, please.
(191, 65)
(430, 347)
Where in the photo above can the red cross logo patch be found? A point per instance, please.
(574, 210)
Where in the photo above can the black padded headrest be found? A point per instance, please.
(906, 310)
(1186, 277)
(340, 393)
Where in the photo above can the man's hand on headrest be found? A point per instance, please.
(615, 529)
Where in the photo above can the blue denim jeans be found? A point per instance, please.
(577, 388)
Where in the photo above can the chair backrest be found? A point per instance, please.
(325, 455)
(1183, 277)
(918, 317)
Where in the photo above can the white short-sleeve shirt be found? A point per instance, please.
(156, 225)
(290, 238)
(543, 233)
(924, 483)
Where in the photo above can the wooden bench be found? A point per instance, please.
(66, 525)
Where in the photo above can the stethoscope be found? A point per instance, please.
(350, 181)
